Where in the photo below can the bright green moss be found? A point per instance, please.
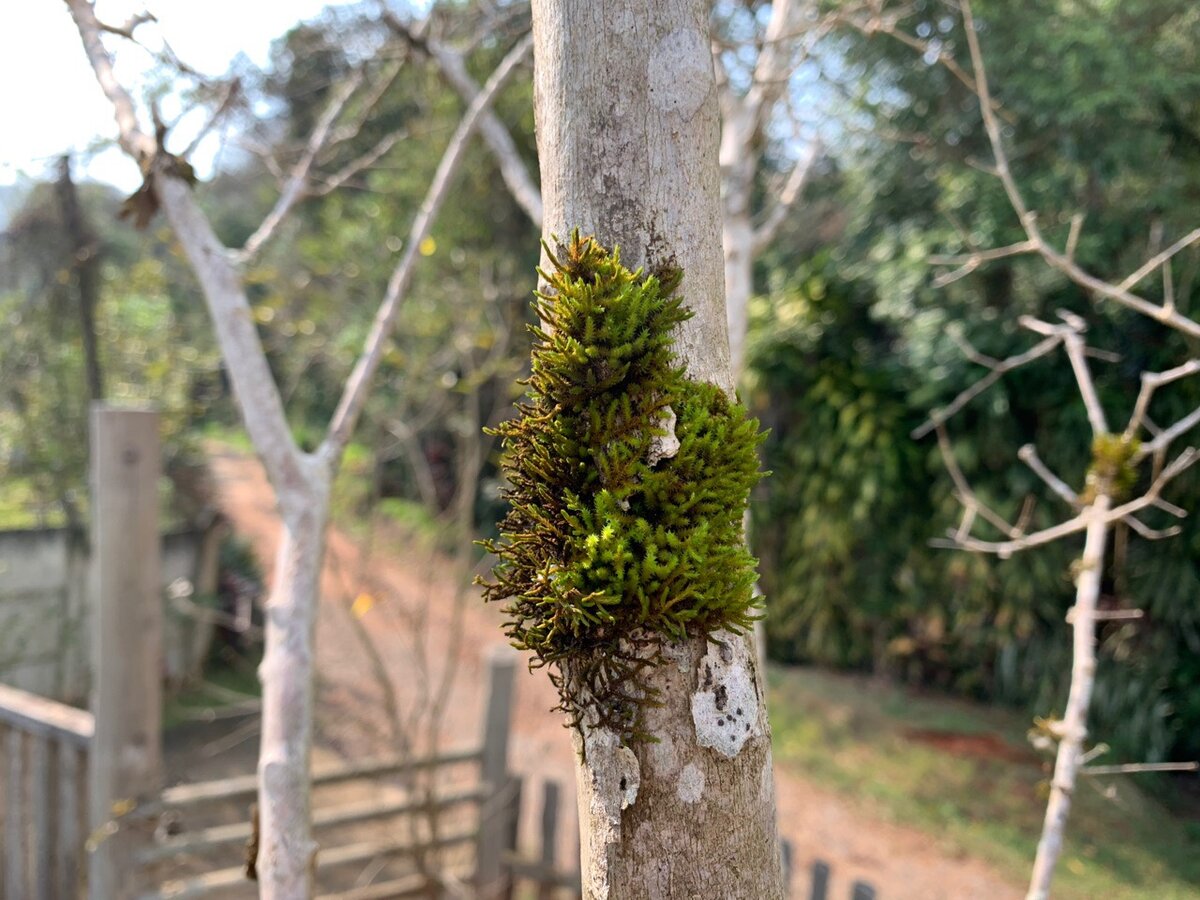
(602, 555)
(1113, 469)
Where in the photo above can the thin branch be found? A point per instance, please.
(297, 183)
(228, 96)
(1131, 768)
(1151, 381)
(1148, 533)
(354, 395)
(356, 166)
(972, 505)
(1083, 376)
(508, 158)
(1005, 549)
(939, 416)
(137, 143)
(1160, 259)
(1029, 455)
(969, 262)
(792, 189)
(1119, 293)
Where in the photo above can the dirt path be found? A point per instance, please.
(410, 612)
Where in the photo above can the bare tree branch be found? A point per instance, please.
(939, 416)
(512, 168)
(792, 189)
(355, 394)
(137, 143)
(1029, 455)
(1064, 263)
(1080, 523)
(297, 183)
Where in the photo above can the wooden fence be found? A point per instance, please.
(43, 795)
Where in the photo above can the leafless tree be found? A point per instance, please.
(1138, 453)
(301, 480)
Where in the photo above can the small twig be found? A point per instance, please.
(1007, 365)
(1132, 768)
(1029, 455)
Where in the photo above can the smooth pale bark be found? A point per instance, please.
(1074, 723)
(286, 850)
(744, 119)
(626, 108)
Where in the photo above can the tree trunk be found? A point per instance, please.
(1074, 723)
(739, 160)
(739, 282)
(626, 109)
(85, 265)
(286, 853)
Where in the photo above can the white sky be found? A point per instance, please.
(49, 100)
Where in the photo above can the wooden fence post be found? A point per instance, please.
(498, 814)
(820, 880)
(550, 793)
(125, 763)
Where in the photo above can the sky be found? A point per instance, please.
(51, 103)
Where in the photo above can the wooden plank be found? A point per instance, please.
(43, 756)
(490, 876)
(127, 656)
(502, 667)
(239, 832)
(45, 718)
(244, 787)
(820, 880)
(225, 879)
(72, 789)
(786, 863)
(549, 837)
(15, 863)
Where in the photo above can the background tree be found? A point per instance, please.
(302, 479)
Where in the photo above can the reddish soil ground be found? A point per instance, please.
(422, 635)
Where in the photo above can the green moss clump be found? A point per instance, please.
(1112, 470)
(604, 555)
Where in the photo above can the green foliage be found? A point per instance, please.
(608, 550)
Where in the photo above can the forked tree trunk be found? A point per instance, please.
(626, 109)
(1074, 722)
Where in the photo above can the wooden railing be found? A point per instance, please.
(43, 795)
(417, 822)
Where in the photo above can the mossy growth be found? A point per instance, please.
(609, 550)
(1113, 469)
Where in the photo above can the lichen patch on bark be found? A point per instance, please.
(725, 706)
(680, 73)
(612, 788)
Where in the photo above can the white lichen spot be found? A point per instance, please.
(725, 708)
(681, 72)
(690, 786)
(630, 779)
(664, 446)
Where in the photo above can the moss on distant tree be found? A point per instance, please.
(610, 548)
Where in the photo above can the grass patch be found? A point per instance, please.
(981, 790)
(228, 684)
